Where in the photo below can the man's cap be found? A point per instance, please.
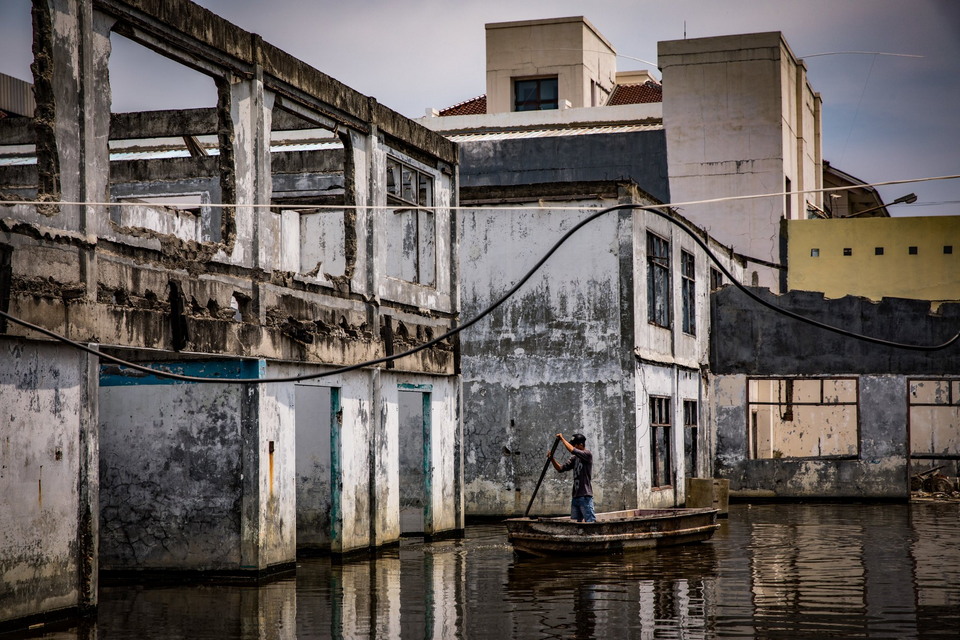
(578, 438)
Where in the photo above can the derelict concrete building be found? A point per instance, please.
(293, 228)
(609, 337)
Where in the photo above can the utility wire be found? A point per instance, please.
(655, 209)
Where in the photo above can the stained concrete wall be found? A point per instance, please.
(572, 350)
(48, 481)
(749, 340)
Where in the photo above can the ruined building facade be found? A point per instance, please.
(268, 236)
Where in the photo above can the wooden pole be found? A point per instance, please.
(542, 473)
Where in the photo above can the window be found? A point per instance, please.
(947, 249)
(847, 251)
(659, 442)
(788, 199)
(690, 437)
(658, 280)
(688, 292)
(716, 279)
(411, 230)
(537, 94)
(912, 251)
(878, 251)
(814, 253)
(802, 417)
(934, 413)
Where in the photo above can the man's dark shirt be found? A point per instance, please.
(582, 464)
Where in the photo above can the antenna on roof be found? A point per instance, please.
(684, 29)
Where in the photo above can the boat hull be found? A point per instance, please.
(613, 532)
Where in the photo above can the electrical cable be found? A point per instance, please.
(655, 209)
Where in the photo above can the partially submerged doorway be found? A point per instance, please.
(415, 463)
(317, 411)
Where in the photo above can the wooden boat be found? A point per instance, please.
(613, 532)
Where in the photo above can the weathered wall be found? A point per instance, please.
(48, 481)
(749, 340)
(549, 359)
(172, 466)
(752, 339)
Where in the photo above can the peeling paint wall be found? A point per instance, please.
(47, 493)
(572, 351)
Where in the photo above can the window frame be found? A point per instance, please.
(423, 208)
(661, 442)
(688, 292)
(538, 103)
(659, 304)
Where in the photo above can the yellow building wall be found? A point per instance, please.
(931, 273)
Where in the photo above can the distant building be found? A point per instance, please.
(908, 257)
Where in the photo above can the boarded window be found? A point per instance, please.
(658, 280)
(935, 418)
(411, 228)
(660, 442)
(803, 417)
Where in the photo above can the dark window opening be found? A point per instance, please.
(814, 253)
(947, 248)
(878, 251)
(847, 251)
(691, 437)
(660, 442)
(688, 286)
(658, 280)
(537, 94)
(716, 279)
(912, 251)
(788, 199)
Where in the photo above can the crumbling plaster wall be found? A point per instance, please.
(750, 340)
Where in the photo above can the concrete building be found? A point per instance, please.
(909, 257)
(806, 413)
(609, 337)
(269, 235)
(741, 118)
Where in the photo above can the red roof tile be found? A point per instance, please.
(636, 94)
(473, 107)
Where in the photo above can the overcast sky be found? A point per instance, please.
(884, 117)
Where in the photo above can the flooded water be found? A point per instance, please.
(772, 571)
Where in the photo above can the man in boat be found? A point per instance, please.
(581, 462)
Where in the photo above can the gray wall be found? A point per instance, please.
(639, 157)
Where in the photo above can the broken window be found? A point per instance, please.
(935, 418)
(803, 417)
(411, 226)
(658, 280)
(535, 94)
(691, 420)
(688, 292)
(660, 441)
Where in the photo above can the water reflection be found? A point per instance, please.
(772, 571)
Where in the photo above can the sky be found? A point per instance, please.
(885, 117)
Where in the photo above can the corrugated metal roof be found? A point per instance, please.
(551, 133)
